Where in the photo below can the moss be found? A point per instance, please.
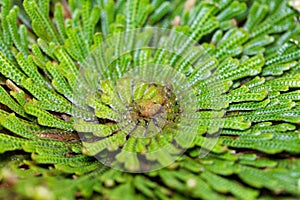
(149, 99)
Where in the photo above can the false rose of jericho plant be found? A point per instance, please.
(149, 99)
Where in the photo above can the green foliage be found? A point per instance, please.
(244, 77)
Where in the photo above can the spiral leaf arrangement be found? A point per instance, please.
(206, 104)
(143, 108)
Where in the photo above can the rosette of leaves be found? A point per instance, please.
(142, 110)
(244, 76)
